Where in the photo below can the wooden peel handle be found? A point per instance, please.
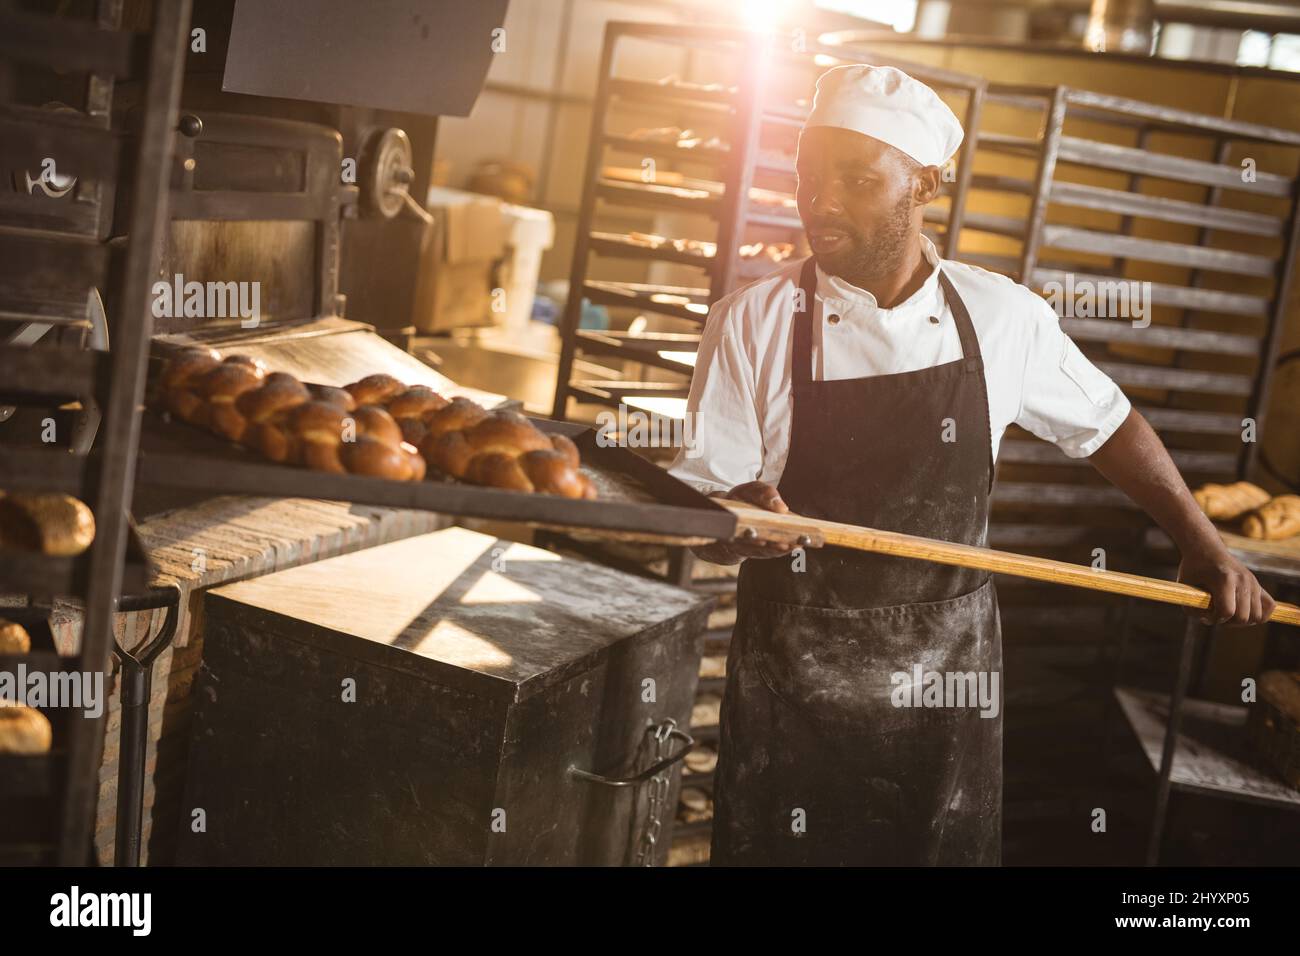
(759, 525)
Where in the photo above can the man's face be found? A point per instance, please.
(860, 201)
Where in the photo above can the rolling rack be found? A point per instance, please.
(1105, 189)
(53, 260)
(743, 194)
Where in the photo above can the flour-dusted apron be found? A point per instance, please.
(817, 766)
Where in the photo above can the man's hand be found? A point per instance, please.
(1135, 461)
(761, 495)
(1236, 597)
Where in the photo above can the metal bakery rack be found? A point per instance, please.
(743, 199)
(1107, 193)
(54, 260)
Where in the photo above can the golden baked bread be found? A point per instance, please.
(1226, 502)
(23, 730)
(14, 638)
(412, 407)
(314, 425)
(319, 427)
(267, 410)
(416, 402)
(222, 386)
(551, 473)
(460, 413)
(371, 421)
(565, 446)
(506, 450)
(375, 389)
(334, 396)
(177, 383)
(45, 522)
(1275, 520)
(499, 433)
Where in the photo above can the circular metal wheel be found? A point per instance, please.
(386, 173)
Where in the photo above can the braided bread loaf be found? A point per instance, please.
(1227, 502)
(1278, 519)
(503, 450)
(321, 427)
(372, 427)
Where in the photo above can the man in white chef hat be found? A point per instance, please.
(872, 384)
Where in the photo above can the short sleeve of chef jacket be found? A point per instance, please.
(1065, 399)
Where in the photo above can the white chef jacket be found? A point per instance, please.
(740, 406)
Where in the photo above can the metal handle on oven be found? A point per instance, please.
(653, 770)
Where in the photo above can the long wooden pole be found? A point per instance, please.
(759, 525)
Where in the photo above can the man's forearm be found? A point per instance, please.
(1135, 460)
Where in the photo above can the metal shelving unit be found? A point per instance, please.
(53, 257)
(1113, 190)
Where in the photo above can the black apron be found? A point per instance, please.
(817, 766)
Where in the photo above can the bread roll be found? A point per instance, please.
(374, 458)
(498, 470)
(1277, 519)
(449, 453)
(565, 446)
(371, 421)
(14, 638)
(416, 402)
(178, 384)
(375, 389)
(267, 411)
(412, 407)
(551, 473)
(46, 522)
(333, 396)
(23, 730)
(1227, 502)
(506, 432)
(222, 386)
(186, 365)
(319, 429)
(460, 413)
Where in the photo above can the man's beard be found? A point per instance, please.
(874, 256)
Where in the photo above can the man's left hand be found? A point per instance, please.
(1236, 597)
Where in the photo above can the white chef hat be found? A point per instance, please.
(888, 105)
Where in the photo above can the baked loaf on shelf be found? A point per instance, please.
(23, 730)
(45, 522)
(1275, 520)
(1228, 502)
(14, 638)
(378, 426)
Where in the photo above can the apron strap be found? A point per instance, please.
(801, 357)
(970, 345)
(970, 350)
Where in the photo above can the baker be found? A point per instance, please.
(871, 384)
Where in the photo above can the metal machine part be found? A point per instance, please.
(386, 173)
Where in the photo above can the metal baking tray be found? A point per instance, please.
(636, 496)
